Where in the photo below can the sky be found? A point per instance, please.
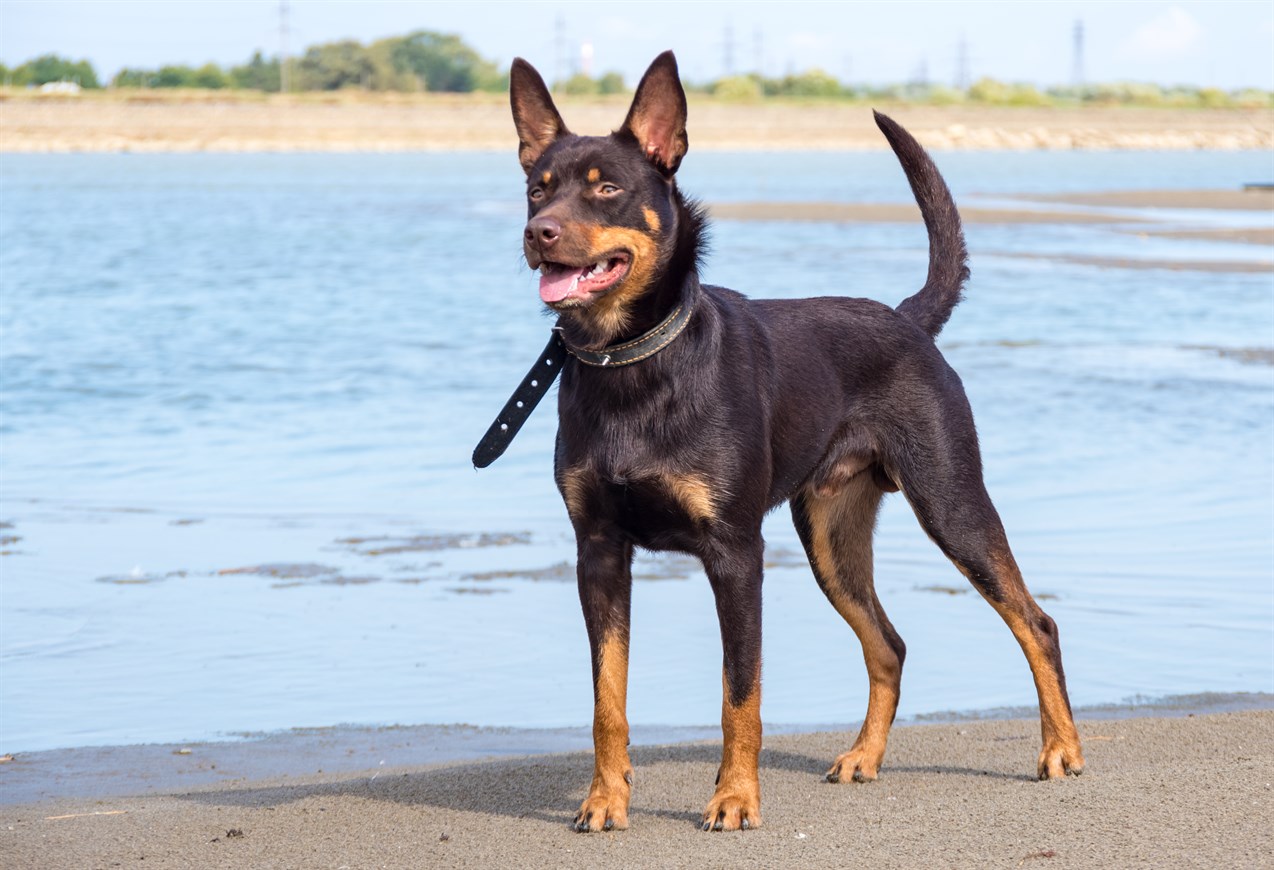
(1218, 44)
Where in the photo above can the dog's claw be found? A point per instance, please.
(610, 824)
(707, 826)
(744, 825)
(832, 776)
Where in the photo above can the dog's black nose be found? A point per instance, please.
(543, 231)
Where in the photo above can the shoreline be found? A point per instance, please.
(1184, 791)
(97, 772)
(341, 123)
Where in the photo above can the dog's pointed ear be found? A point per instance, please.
(657, 117)
(534, 114)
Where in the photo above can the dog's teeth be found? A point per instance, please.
(599, 266)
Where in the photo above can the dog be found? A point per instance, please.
(687, 412)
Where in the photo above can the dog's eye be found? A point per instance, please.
(607, 189)
(536, 194)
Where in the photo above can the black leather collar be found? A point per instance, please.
(646, 345)
(549, 364)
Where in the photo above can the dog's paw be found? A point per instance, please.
(856, 765)
(1058, 759)
(734, 809)
(605, 809)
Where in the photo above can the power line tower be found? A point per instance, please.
(285, 83)
(921, 76)
(758, 52)
(962, 64)
(561, 64)
(728, 49)
(1077, 61)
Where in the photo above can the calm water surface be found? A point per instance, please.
(240, 394)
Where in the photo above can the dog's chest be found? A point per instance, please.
(661, 508)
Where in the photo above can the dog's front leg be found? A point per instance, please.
(605, 591)
(736, 583)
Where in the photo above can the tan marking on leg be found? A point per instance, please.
(546, 177)
(841, 530)
(594, 176)
(694, 494)
(652, 219)
(611, 790)
(738, 796)
(1061, 753)
(574, 485)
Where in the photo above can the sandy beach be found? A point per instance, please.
(1188, 791)
(203, 121)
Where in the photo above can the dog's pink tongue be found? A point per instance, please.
(559, 282)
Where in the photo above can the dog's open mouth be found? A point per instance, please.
(560, 283)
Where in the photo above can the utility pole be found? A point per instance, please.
(284, 83)
(1077, 68)
(559, 50)
(922, 72)
(729, 50)
(758, 52)
(962, 64)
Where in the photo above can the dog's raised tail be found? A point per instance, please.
(948, 257)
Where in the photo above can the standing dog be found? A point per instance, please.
(688, 412)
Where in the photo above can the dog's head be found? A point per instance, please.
(603, 210)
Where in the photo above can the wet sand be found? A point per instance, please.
(1260, 199)
(1231, 267)
(1194, 791)
(204, 121)
(1184, 200)
(866, 212)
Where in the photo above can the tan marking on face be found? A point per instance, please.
(652, 218)
(694, 494)
(609, 315)
(546, 177)
(594, 176)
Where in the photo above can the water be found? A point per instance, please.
(282, 362)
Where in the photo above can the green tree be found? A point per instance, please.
(209, 76)
(814, 83)
(258, 74)
(738, 89)
(577, 85)
(52, 68)
(130, 77)
(174, 76)
(611, 83)
(443, 62)
(335, 65)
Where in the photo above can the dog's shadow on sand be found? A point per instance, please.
(547, 789)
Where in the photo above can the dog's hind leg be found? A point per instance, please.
(735, 574)
(941, 476)
(605, 590)
(836, 528)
